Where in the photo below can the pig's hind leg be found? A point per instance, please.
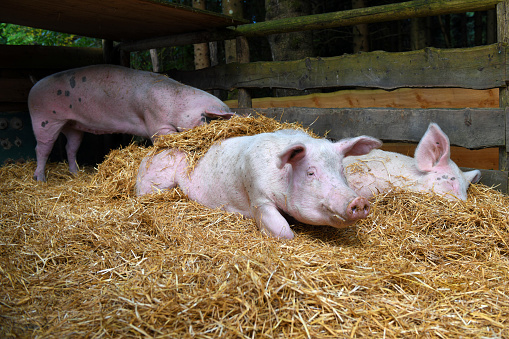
(46, 133)
(160, 172)
(74, 138)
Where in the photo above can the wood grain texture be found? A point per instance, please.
(399, 98)
(476, 68)
(389, 12)
(469, 128)
(118, 20)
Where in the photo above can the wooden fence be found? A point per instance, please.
(481, 68)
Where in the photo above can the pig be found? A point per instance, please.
(104, 99)
(431, 170)
(266, 176)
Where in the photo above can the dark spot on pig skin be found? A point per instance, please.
(79, 99)
(84, 79)
(44, 123)
(438, 178)
(70, 106)
(59, 92)
(67, 93)
(453, 178)
(445, 177)
(54, 112)
(72, 82)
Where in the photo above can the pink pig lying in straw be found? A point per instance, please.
(265, 176)
(431, 169)
(105, 99)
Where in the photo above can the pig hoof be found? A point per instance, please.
(358, 208)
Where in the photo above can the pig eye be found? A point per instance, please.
(311, 172)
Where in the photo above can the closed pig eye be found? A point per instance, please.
(311, 172)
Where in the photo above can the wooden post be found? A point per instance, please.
(201, 51)
(156, 67)
(503, 37)
(243, 57)
(108, 51)
(113, 54)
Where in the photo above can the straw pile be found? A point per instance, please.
(79, 259)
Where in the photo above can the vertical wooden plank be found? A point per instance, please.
(503, 37)
(108, 51)
(201, 51)
(503, 157)
(245, 100)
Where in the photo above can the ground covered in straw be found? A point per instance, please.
(80, 256)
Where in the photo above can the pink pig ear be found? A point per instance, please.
(291, 155)
(433, 150)
(217, 113)
(357, 146)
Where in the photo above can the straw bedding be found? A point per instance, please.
(81, 256)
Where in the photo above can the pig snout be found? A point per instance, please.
(358, 208)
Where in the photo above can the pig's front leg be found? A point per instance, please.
(269, 219)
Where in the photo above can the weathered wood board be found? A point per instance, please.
(497, 179)
(365, 15)
(486, 158)
(398, 98)
(470, 128)
(481, 67)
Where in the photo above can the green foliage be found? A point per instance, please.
(21, 35)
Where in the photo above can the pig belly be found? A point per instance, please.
(217, 181)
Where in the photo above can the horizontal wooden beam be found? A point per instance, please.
(390, 12)
(470, 128)
(54, 57)
(492, 178)
(481, 67)
(398, 98)
(179, 40)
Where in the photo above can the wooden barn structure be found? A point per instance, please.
(481, 71)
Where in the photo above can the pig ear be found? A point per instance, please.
(433, 149)
(357, 146)
(216, 113)
(472, 176)
(291, 155)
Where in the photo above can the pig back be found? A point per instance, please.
(97, 99)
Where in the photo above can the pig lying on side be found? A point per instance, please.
(266, 175)
(431, 169)
(105, 99)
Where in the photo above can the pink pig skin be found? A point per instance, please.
(105, 99)
(431, 169)
(265, 176)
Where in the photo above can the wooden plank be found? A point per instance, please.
(118, 20)
(389, 12)
(503, 37)
(486, 158)
(476, 68)
(399, 98)
(469, 128)
(496, 179)
(56, 57)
